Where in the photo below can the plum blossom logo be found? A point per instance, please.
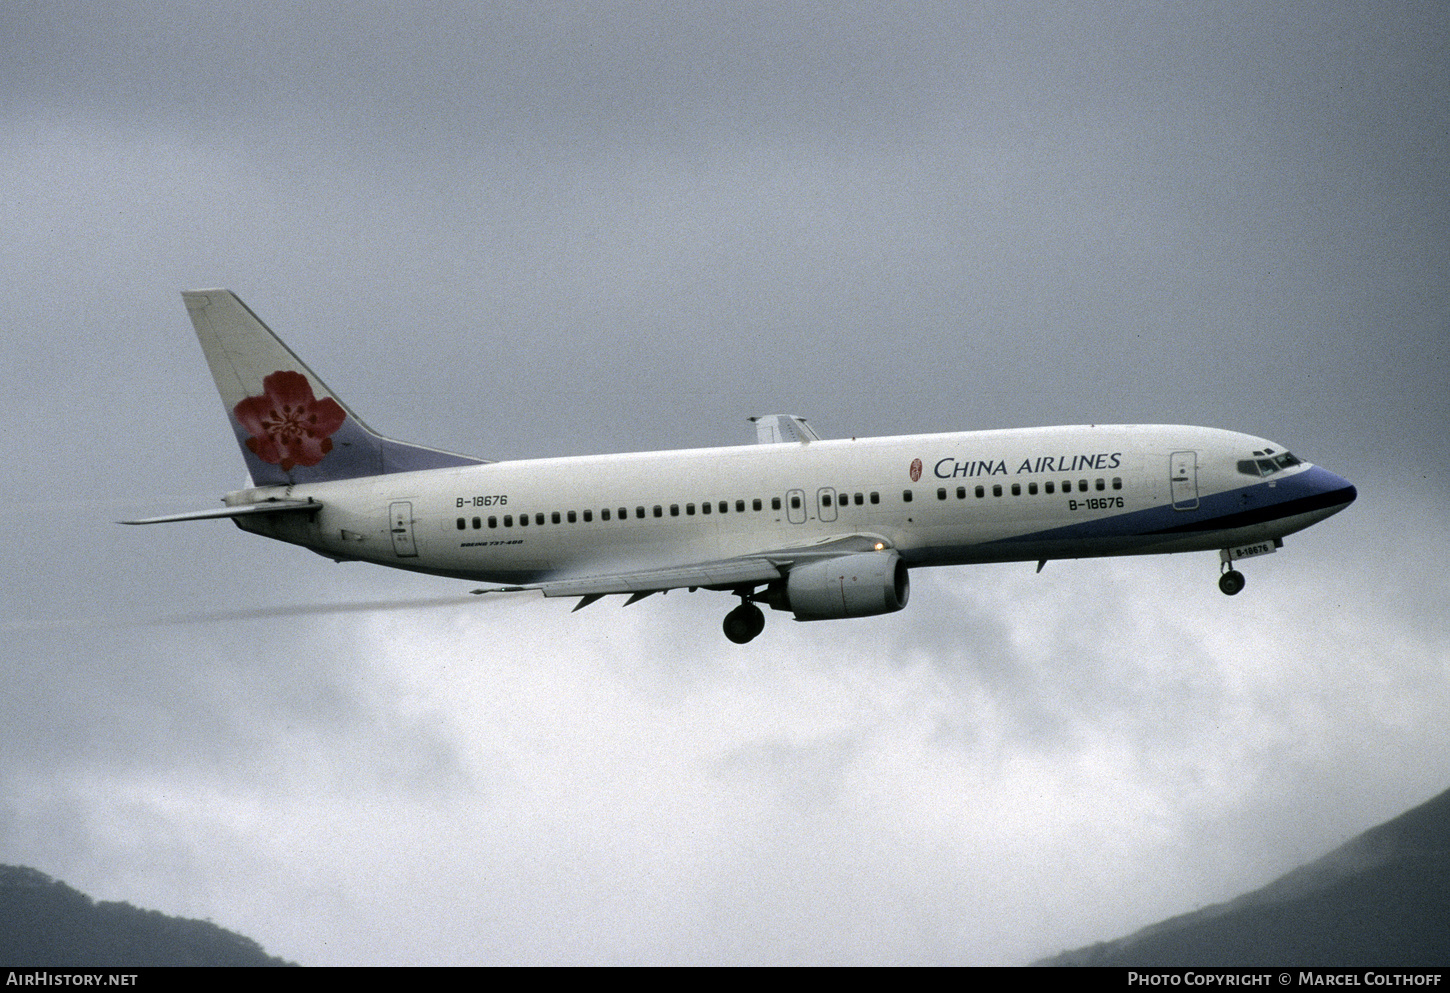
(288, 424)
(915, 470)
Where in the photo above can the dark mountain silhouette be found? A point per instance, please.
(1380, 899)
(43, 922)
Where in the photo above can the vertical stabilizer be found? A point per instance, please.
(291, 427)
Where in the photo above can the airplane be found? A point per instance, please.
(821, 528)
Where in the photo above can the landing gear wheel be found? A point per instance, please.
(743, 623)
(1231, 582)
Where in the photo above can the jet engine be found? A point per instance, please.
(857, 585)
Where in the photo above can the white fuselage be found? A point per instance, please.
(941, 499)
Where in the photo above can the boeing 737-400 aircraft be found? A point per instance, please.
(821, 528)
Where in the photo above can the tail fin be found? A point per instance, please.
(291, 427)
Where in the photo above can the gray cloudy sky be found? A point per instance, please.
(523, 230)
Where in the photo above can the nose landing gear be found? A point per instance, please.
(744, 622)
(1231, 582)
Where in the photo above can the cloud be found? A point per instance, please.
(1067, 756)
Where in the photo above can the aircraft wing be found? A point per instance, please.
(746, 570)
(775, 429)
(739, 572)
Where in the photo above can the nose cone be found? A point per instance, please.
(1331, 492)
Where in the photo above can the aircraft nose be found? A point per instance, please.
(1334, 490)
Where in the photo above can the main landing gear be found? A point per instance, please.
(744, 622)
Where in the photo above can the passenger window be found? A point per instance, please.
(624, 513)
(1016, 489)
(860, 499)
(705, 507)
(477, 524)
(523, 520)
(961, 492)
(674, 510)
(981, 491)
(875, 498)
(825, 499)
(905, 496)
(775, 503)
(997, 490)
(941, 492)
(556, 517)
(460, 524)
(740, 507)
(1117, 482)
(639, 513)
(493, 522)
(1048, 488)
(508, 520)
(1082, 485)
(659, 511)
(539, 518)
(1100, 485)
(604, 514)
(755, 503)
(1031, 489)
(795, 503)
(573, 517)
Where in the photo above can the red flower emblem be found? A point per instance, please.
(289, 425)
(915, 470)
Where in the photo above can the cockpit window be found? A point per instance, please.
(1266, 466)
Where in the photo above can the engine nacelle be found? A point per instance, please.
(857, 585)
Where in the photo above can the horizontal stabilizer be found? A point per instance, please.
(242, 510)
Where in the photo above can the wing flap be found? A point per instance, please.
(737, 572)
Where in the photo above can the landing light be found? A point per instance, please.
(880, 545)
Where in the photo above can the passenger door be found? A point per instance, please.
(1183, 479)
